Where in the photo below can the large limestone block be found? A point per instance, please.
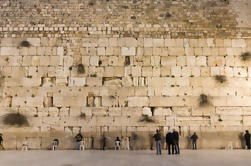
(138, 101)
(147, 111)
(128, 51)
(94, 81)
(12, 51)
(229, 111)
(68, 101)
(176, 51)
(148, 42)
(162, 111)
(34, 41)
(76, 81)
(132, 111)
(166, 101)
(238, 43)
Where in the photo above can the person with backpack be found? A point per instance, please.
(194, 138)
(170, 142)
(247, 139)
(79, 138)
(157, 138)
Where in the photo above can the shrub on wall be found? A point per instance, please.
(204, 100)
(25, 44)
(15, 119)
(220, 78)
(246, 56)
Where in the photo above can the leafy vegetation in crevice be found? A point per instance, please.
(246, 56)
(80, 68)
(15, 119)
(220, 78)
(204, 100)
(25, 43)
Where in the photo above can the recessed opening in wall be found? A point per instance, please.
(127, 61)
(152, 110)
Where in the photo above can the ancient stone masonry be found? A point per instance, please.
(124, 68)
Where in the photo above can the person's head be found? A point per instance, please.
(174, 130)
(194, 133)
(117, 138)
(157, 131)
(247, 131)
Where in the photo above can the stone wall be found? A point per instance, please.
(111, 68)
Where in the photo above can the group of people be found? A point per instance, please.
(172, 142)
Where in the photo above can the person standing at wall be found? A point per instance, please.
(79, 138)
(1, 142)
(194, 138)
(176, 141)
(157, 138)
(117, 144)
(247, 138)
(170, 142)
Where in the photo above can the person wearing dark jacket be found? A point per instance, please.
(79, 138)
(176, 141)
(157, 138)
(170, 142)
(247, 138)
(194, 138)
(1, 142)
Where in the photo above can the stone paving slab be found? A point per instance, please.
(125, 158)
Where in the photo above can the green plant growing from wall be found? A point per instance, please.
(220, 78)
(82, 115)
(93, 75)
(80, 68)
(25, 44)
(204, 100)
(246, 56)
(147, 119)
(15, 119)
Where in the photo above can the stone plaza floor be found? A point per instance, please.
(125, 158)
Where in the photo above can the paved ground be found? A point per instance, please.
(125, 158)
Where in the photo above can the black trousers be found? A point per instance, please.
(177, 148)
(169, 146)
(248, 144)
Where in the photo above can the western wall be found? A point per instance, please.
(125, 68)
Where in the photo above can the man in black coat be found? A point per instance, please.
(170, 142)
(176, 141)
(247, 138)
(194, 138)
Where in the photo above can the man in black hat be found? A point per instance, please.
(247, 138)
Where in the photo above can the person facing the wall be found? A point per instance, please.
(79, 138)
(1, 142)
(247, 139)
(170, 142)
(194, 138)
(176, 141)
(157, 138)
